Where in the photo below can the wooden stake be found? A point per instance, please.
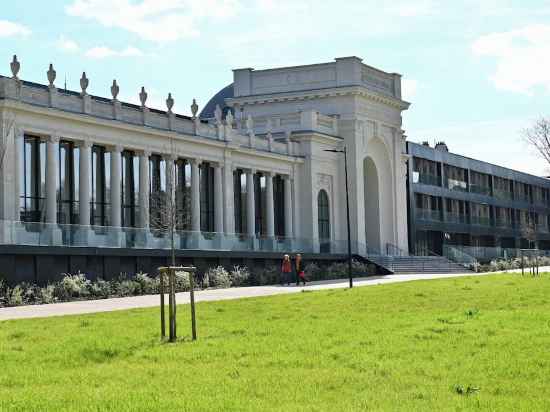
(192, 296)
(162, 317)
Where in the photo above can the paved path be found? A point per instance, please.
(107, 305)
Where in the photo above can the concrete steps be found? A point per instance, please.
(417, 264)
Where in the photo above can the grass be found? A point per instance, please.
(450, 344)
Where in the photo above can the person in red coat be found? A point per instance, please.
(286, 270)
(300, 273)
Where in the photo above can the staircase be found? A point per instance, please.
(417, 264)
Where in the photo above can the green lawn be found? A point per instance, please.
(449, 344)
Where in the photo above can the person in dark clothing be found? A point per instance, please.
(300, 274)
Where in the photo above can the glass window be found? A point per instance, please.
(323, 220)
(101, 187)
(239, 194)
(67, 183)
(130, 188)
(206, 177)
(183, 194)
(279, 204)
(34, 180)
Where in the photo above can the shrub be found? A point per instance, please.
(147, 285)
(218, 277)
(15, 296)
(126, 287)
(100, 289)
(240, 275)
(182, 281)
(72, 286)
(313, 271)
(47, 294)
(268, 275)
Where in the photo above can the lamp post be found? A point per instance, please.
(347, 210)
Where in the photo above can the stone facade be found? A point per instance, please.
(275, 136)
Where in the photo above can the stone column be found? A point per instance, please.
(195, 196)
(116, 211)
(19, 171)
(270, 209)
(250, 203)
(52, 160)
(144, 189)
(288, 207)
(218, 199)
(229, 197)
(169, 160)
(84, 183)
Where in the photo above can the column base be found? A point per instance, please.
(51, 236)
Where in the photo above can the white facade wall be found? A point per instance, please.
(306, 110)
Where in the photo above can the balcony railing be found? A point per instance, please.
(456, 218)
(458, 185)
(504, 223)
(503, 194)
(428, 179)
(480, 221)
(428, 214)
(482, 190)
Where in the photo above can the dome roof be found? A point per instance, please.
(219, 98)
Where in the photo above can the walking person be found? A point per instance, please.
(300, 274)
(286, 270)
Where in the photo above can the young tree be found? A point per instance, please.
(538, 136)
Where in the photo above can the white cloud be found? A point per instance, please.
(156, 20)
(522, 58)
(408, 89)
(67, 45)
(9, 29)
(102, 52)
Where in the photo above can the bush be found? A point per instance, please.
(240, 276)
(218, 277)
(313, 271)
(72, 286)
(15, 296)
(147, 285)
(182, 281)
(268, 275)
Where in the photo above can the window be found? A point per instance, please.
(239, 194)
(456, 178)
(183, 194)
(279, 204)
(101, 187)
(207, 197)
(426, 172)
(34, 180)
(480, 183)
(68, 183)
(323, 220)
(130, 188)
(157, 190)
(260, 206)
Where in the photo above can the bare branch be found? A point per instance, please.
(538, 136)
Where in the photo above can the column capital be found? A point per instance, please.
(54, 138)
(115, 148)
(287, 177)
(169, 157)
(143, 153)
(86, 144)
(196, 161)
(268, 173)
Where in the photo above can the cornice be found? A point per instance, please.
(318, 94)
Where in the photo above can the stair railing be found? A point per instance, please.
(393, 250)
(460, 257)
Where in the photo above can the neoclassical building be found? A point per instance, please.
(100, 180)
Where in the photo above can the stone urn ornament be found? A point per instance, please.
(194, 108)
(52, 74)
(115, 89)
(15, 66)
(169, 102)
(84, 83)
(143, 96)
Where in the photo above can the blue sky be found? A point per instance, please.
(476, 72)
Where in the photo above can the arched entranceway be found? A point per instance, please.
(379, 205)
(323, 221)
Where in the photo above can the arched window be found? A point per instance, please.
(323, 219)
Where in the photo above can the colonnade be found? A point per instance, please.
(223, 189)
